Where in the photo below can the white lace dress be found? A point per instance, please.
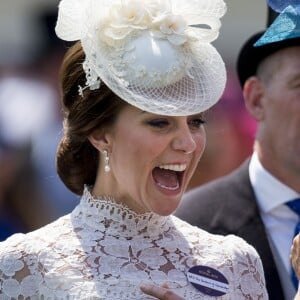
(103, 250)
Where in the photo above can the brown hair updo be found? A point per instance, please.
(76, 159)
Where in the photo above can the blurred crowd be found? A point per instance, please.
(31, 193)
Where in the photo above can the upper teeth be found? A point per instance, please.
(177, 168)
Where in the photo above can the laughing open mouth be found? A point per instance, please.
(169, 177)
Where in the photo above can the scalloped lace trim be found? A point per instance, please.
(116, 219)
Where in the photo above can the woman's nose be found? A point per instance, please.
(184, 141)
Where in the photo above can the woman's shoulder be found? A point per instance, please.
(33, 241)
(20, 255)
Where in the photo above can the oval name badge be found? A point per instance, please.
(208, 281)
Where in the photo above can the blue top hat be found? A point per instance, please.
(282, 33)
(285, 26)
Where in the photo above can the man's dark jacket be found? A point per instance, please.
(228, 206)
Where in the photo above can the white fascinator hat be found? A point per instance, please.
(154, 54)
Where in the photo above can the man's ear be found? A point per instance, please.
(99, 140)
(253, 92)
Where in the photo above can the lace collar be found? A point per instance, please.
(117, 219)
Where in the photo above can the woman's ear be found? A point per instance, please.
(253, 92)
(99, 140)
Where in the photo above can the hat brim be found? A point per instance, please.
(250, 57)
(200, 87)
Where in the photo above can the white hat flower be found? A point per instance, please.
(171, 27)
(122, 21)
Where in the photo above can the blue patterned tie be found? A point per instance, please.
(295, 206)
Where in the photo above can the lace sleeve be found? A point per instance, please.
(248, 269)
(17, 265)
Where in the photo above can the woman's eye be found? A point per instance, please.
(158, 123)
(198, 122)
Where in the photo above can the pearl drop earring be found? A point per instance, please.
(106, 161)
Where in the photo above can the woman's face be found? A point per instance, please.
(152, 159)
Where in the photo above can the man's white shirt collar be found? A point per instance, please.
(267, 187)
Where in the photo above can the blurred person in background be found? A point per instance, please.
(30, 129)
(20, 197)
(251, 201)
(10, 164)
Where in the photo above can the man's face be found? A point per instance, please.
(279, 128)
